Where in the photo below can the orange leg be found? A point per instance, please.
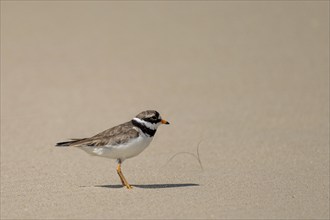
(121, 176)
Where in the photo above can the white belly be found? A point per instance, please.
(123, 151)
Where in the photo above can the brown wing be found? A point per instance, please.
(113, 136)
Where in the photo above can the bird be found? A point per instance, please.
(121, 142)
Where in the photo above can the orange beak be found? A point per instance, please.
(164, 122)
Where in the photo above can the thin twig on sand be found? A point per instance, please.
(197, 157)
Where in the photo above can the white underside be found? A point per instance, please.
(122, 151)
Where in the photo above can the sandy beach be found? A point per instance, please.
(247, 82)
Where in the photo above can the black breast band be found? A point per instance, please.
(144, 128)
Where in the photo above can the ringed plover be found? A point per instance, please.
(121, 142)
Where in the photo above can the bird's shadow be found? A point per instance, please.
(151, 186)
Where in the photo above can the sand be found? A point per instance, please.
(246, 81)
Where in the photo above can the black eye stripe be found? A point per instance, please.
(152, 120)
(158, 120)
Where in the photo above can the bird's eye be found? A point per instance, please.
(154, 117)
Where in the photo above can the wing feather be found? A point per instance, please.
(114, 136)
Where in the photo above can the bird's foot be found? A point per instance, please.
(129, 186)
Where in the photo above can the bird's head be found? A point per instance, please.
(150, 119)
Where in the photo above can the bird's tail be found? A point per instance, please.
(68, 143)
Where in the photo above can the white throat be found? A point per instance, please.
(147, 124)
